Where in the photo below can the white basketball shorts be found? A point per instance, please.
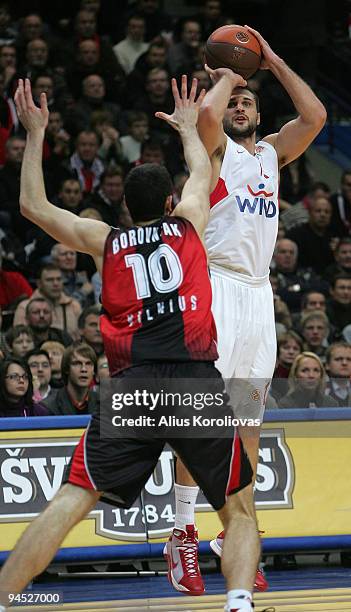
(243, 309)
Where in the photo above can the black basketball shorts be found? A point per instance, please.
(120, 467)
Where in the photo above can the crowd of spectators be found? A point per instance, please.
(105, 75)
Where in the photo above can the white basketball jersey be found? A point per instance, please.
(243, 224)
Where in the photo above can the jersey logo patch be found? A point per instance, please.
(261, 191)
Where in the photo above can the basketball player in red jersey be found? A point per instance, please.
(241, 235)
(157, 305)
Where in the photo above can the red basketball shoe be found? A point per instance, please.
(181, 554)
(261, 583)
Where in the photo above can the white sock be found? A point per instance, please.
(242, 604)
(185, 498)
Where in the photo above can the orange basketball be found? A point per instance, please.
(233, 47)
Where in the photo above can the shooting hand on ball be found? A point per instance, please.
(268, 55)
(216, 75)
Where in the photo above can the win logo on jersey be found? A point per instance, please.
(257, 204)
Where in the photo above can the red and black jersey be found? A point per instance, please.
(156, 296)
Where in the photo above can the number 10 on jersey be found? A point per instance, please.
(162, 268)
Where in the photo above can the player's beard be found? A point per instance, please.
(239, 132)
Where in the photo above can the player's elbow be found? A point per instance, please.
(24, 207)
(208, 115)
(27, 208)
(320, 115)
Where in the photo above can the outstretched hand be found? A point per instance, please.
(186, 110)
(32, 118)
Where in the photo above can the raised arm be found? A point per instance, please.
(85, 235)
(215, 104)
(194, 204)
(296, 135)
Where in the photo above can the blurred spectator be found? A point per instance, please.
(86, 29)
(295, 180)
(292, 281)
(315, 237)
(8, 33)
(152, 152)
(14, 255)
(138, 128)
(93, 99)
(307, 382)
(76, 397)
(89, 328)
(157, 96)
(39, 364)
(102, 371)
(133, 45)
(8, 118)
(12, 286)
(211, 17)
(19, 340)
(57, 140)
(157, 22)
(341, 203)
(39, 315)
(282, 315)
(298, 214)
(16, 390)
(311, 300)
(110, 150)
(8, 63)
(154, 57)
(39, 243)
(338, 366)
(43, 83)
(203, 80)
(90, 53)
(87, 62)
(70, 195)
(30, 28)
(91, 5)
(289, 346)
(37, 58)
(66, 310)
(108, 199)
(183, 55)
(10, 185)
(85, 162)
(342, 255)
(178, 184)
(55, 350)
(76, 284)
(339, 306)
(315, 331)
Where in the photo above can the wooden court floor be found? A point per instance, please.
(314, 600)
(310, 588)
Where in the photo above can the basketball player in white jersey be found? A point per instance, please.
(240, 239)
